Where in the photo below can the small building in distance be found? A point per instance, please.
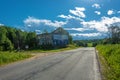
(57, 38)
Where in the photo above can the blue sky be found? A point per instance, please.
(83, 19)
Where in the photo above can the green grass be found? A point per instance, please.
(8, 57)
(110, 59)
(89, 44)
(69, 47)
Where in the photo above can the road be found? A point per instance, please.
(78, 64)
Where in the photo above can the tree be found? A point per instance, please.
(5, 43)
(114, 34)
(94, 44)
(70, 39)
(11, 38)
(31, 39)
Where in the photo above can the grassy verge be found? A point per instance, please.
(69, 47)
(110, 60)
(8, 57)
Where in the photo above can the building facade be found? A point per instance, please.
(57, 38)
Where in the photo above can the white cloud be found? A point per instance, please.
(1, 24)
(54, 24)
(87, 34)
(98, 12)
(110, 12)
(118, 12)
(31, 21)
(77, 29)
(38, 31)
(95, 25)
(79, 12)
(96, 6)
(67, 17)
(101, 26)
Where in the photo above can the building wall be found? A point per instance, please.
(60, 40)
(45, 39)
(57, 38)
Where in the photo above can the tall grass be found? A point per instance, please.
(111, 62)
(8, 57)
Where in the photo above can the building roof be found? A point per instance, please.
(60, 30)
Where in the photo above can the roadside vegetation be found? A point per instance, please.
(8, 57)
(109, 54)
(88, 43)
(110, 59)
(16, 45)
(15, 39)
(69, 47)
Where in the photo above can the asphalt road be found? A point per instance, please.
(78, 64)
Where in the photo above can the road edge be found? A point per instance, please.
(98, 75)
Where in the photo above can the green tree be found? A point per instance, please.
(94, 44)
(70, 39)
(11, 38)
(31, 39)
(5, 43)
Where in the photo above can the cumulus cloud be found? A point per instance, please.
(97, 6)
(79, 12)
(110, 12)
(102, 25)
(86, 34)
(31, 21)
(67, 17)
(77, 29)
(98, 12)
(75, 23)
(54, 24)
(95, 25)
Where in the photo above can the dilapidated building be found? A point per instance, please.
(57, 38)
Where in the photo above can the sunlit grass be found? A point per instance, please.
(111, 61)
(8, 57)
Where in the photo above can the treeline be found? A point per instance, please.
(82, 43)
(15, 39)
(88, 43)
(113, 37)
